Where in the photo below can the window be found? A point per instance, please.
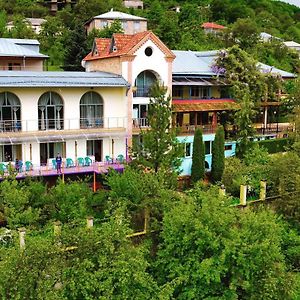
(51, 111)
(103, 24)
(148, 51)
(177, 92)
(50, 150)
(143, 83)
(10, 152)
(188, 149)
(200, 92)
(91, 110)
(207, 147)
(94, 148)
(10, 112)
(136, 26)
(228, 147)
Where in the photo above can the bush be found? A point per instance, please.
(275, 145)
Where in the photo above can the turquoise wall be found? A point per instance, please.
(187, 160)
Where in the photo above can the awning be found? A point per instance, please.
(205, 106)
(197, 81)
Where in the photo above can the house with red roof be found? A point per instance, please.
(212, 28)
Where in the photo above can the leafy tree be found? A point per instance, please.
(21, 29)
(3, 21)
(198, 157)
(218, 164)
(159, 150)
(207, 248)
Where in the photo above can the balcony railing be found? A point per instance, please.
(62, 124)
(190, 129)
(140, 123)
(143, 91)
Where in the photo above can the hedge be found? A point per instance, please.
(275, 145)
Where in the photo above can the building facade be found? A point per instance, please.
(131, 24)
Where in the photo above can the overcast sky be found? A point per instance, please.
(295, 2)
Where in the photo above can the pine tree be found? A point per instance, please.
(198, 157)
(218, 163)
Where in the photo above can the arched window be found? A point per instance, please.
(10, 112)
(143, 83)
(91, 110)
(51, 111)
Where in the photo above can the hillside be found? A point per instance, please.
(179, 30)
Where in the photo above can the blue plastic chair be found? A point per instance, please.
(3, 168)
(19, 168)
(70, 162)
(53, 164)
(88, 161)
(120, 158)
(80, 161)
(28, 166)
(108, 159)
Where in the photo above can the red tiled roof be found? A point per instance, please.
(124, 44)
(208, 25)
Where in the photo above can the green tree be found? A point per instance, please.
(21, 29)
(218, 157)
(198, 157)
(159, 149)
(207, 248)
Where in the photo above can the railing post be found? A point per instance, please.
(243, 195)
(89, 222)
(57, 228)
(22, 232)
(263, 190)
(222, 190)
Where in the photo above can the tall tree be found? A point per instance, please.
(218, 158)
(198, 157)
(159, 149)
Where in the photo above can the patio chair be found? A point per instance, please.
(28, 165)
(108, 159)
(54, 164)
(88, 161)
(80, 161)
(120, 158)
(3, 167)
(69, 163)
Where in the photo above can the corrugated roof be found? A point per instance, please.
(200, 63)
(60, 79)
(211, 25)
(14, 48)
(118, 15)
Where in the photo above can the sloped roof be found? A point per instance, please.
(291, 44)
(14, 48)
(212, 25)
(200, 63)
(116, 15)
(124, 44)
(60, 79)
(204, 105)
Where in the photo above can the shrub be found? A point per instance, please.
(275, 145)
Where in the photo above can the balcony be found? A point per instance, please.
(190, 129)
(140, 123)
(142, 91)
(52, 125)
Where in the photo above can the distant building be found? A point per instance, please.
(34, 23)
(55, 5)
(21, 55)
(212, 28)
(131, 24)
(266, 37)
(293, 45)
(133, 4)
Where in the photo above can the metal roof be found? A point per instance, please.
(199, 63)
(60, 79)
(112, 15)
(13, 47)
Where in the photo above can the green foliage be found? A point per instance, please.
(159, 149)
(275, 145)
(211, 251)
(198, 157)
(218, 157)
(71, 201)
(21, 29)
(250, 171)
